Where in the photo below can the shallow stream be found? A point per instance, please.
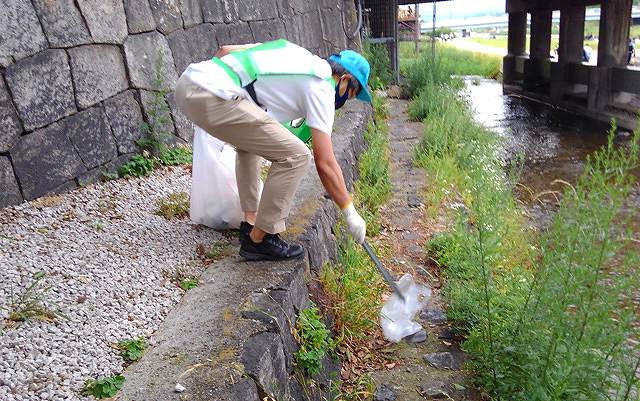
(554, 143)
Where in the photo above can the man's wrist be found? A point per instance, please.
(346, 205)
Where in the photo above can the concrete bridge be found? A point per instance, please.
(603, 91)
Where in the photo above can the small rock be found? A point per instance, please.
(419, 337)
(180, 388)
(434, 391)
(385, 393)
(447, 334)
(434, 315)
(414, 200)
(441, 360)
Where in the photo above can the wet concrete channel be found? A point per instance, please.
(554, 143)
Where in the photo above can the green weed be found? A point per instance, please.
(103, 388)
(189, 283)
(176, 156)
(132, 350)
(175, 205)
(32, 303)
(139, 166)
(314, 340)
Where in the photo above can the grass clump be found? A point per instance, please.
(132, 350)
(381, 75)
(103, 388)
(314, 339)
(374, 185)
(354, 285)
(175, 205)
(548, 317)
(32, 303)
(143, 164)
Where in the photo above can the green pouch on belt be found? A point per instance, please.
(300, 129)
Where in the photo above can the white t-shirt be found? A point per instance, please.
(286, 98)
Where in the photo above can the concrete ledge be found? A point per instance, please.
(231, 338)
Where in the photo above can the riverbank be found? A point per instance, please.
(503, 280)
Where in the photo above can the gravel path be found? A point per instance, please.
(108, 258)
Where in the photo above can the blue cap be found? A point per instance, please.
(357, 66)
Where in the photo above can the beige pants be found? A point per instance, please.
(254, 134)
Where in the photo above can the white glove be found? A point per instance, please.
(355, 223)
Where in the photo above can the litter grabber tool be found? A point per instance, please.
(385, 273)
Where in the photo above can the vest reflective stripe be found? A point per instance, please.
(279, 57)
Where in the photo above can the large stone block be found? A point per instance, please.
(335, 39)
(139, 16)
(184, 127)
(45, 160)
(106, 20)
(264, 31)
(10, 194)
(149, 56)
(306, 30)
(158, 115)
(125, 119)
(250, 11)
(20, 31)
(275, 310)
(214, 11)
(263, 359)
(237, 33)
(192, 45)
(167, 15)
(10, 128)
(288, 8)
(62, 23)
(98, 73)
(191, 12)
(41, 88)
(91, 136)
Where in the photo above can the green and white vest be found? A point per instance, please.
(276, 58)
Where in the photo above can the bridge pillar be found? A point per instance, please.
(536, 69)
(615, 21)
(571, 48)
(516, 46)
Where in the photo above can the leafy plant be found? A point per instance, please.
(176, 156)
(314, 339)
(189, 283)
(132, 350)
(139, 166)
(32, 303)
(103, 388)
(378, 57)
(158, 115)
(175, 205)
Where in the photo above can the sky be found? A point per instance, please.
(463, 8)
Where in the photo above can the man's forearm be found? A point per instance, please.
(333, 181)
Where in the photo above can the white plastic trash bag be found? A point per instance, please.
(396, 316)
(214, 190)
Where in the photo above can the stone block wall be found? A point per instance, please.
(78, 77)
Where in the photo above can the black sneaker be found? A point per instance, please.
(245, 229)
(272, 247)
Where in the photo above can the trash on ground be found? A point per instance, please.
(396, 316)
